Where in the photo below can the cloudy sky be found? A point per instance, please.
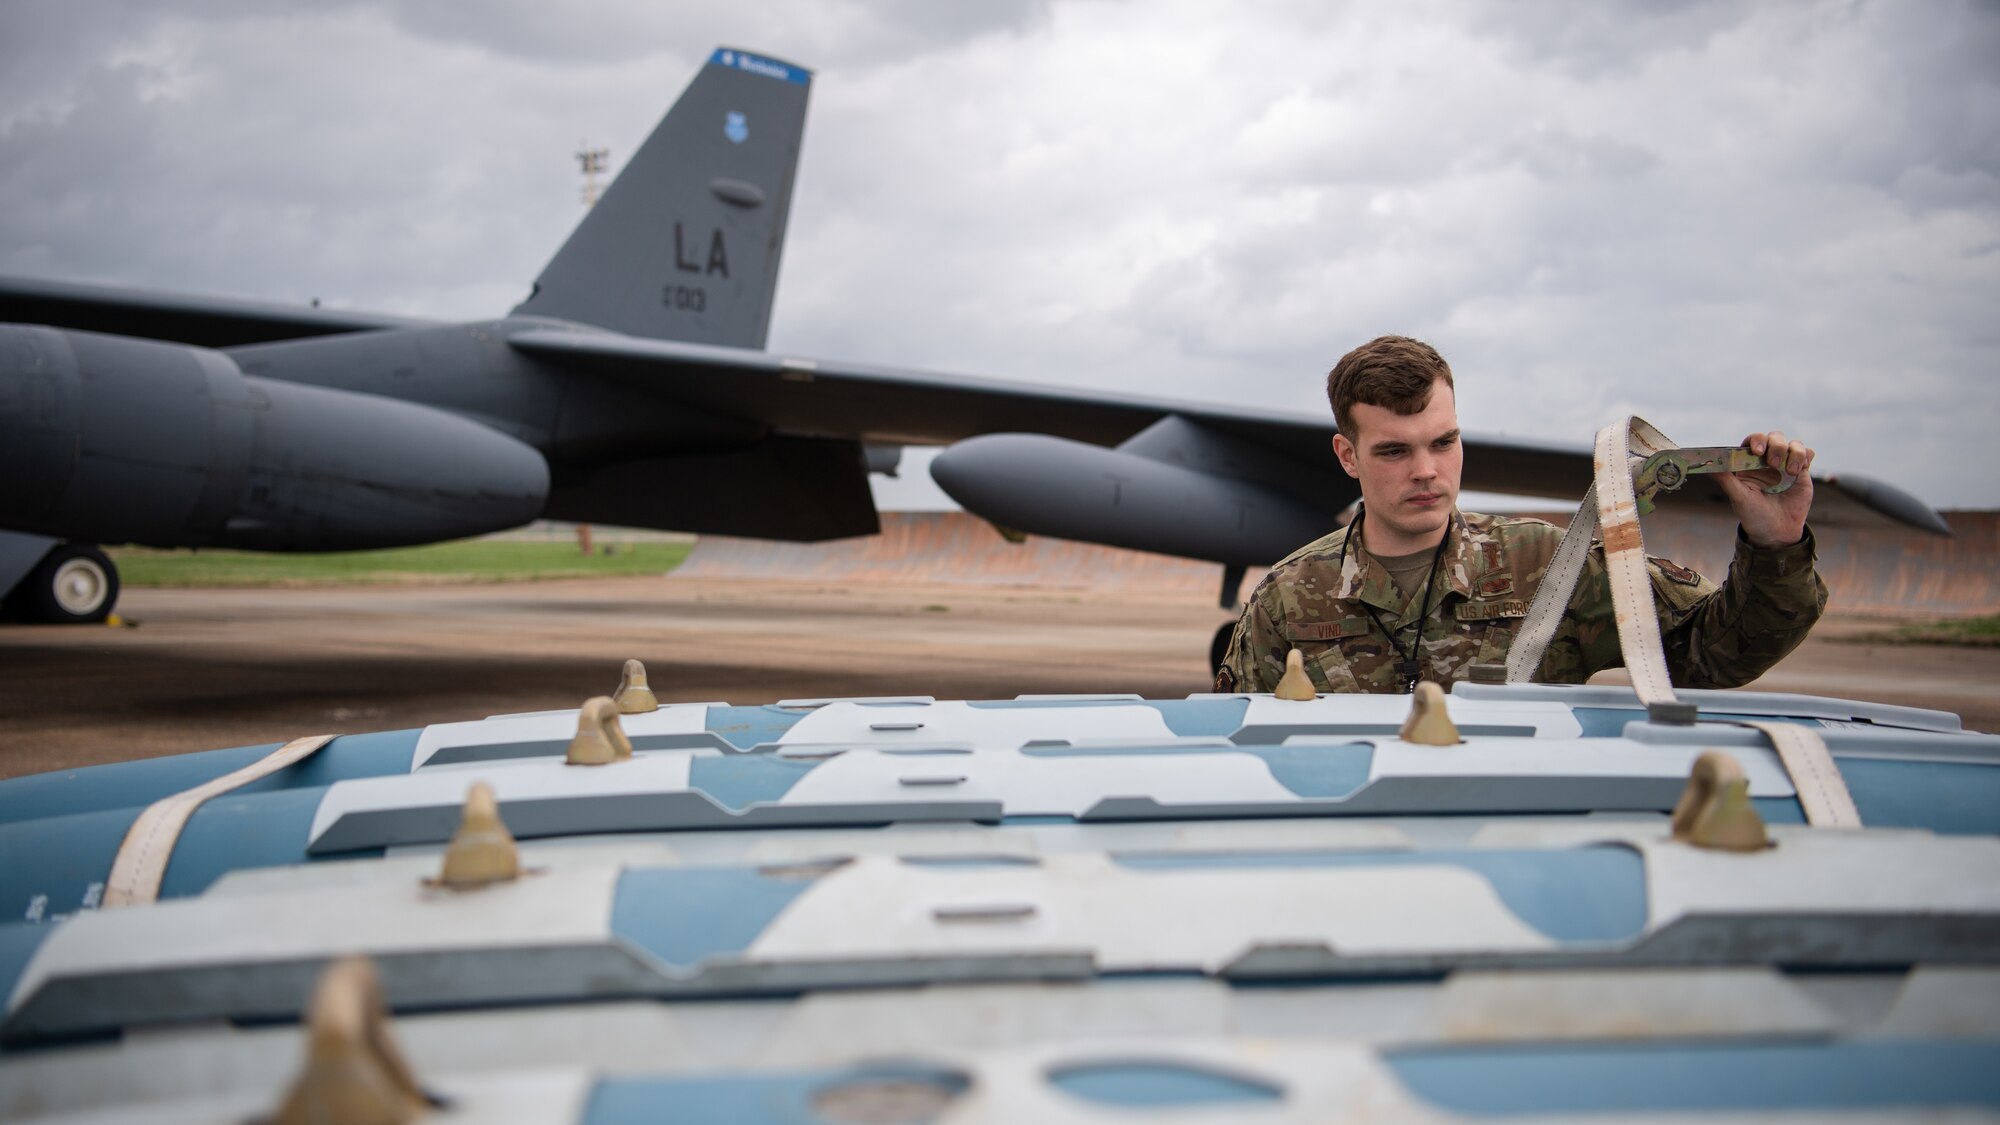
(1721, 216)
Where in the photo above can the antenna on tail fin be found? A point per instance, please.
(684, 244)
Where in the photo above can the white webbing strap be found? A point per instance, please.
(142, 859)
(1625, 555)
(1524, 659)
(1822, 791)
(1610, 511)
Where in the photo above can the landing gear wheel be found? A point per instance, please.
(1219, 647)
(73, 585)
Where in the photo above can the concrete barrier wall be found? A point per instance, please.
(1874, 572)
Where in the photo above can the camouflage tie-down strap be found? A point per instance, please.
(1610, 510)
(142, 858)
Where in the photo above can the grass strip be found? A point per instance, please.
(1977, 632)
(466, 560)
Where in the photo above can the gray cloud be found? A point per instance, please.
(829, 32)
(1589, 39)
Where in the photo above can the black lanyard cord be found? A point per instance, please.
(1407, 667)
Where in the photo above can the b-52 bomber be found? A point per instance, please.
(631, 387)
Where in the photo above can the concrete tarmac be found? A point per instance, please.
(213, 668)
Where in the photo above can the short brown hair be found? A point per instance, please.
(1389, 371)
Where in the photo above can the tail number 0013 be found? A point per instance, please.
(684, 298)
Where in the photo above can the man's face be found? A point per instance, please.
(1408, 466)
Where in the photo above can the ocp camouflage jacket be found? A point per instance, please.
(1715, 636)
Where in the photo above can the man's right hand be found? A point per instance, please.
(1772, 519)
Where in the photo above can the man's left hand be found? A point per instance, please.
(1771, 520)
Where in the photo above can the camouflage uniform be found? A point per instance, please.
(1715, 637)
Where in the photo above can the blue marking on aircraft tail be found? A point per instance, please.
(1495, 1081)
(760, 64)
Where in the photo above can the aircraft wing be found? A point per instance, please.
(901, 406)
(210, 322)
(892, 405)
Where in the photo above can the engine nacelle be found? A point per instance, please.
(1072, 490)
(110, 439)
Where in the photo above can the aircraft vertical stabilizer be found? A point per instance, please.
(685, 243)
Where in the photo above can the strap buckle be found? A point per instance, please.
(1669, 469)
